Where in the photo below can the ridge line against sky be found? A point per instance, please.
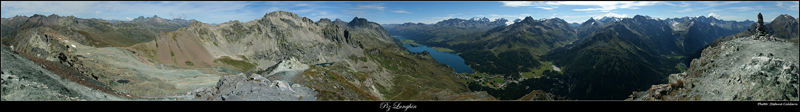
(398, 12)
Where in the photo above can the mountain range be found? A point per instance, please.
(514, 48)
(100, 32)
(641, 47)
(443, 30)
(757, 67)
(624, 55)
(283, 56)
(323, 60)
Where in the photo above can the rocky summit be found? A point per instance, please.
(255, 88)
(751, 68)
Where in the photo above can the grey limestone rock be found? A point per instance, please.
(256, 88)
(739, 69)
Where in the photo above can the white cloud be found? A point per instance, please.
(301, 4)
(795, 6)
(605, 6)
(365, 11)
(508, 16)
(302, 10)
(743, 8)
(683, 4)
(517, 3)
(576, 16)
(402, 12)
(547, 8)
(710, 4)
(588, 9)
(712, 10)
(271, 9)
(357, 12)
(442, 18)
(738, 18)
(685, 10)
(791, 5)
(127, 18)
(378, 7)
(541, 5)
(713, 15)
(612, 15)
(608, 6)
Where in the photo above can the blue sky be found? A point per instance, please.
(385, 12)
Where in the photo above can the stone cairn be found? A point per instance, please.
(761, 32)
(760, 29)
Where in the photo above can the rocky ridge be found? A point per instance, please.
(278, 36)
(25, 80)
(443, 30)
(679, 24)
(760, 67)
(255, 88)
(783, 26)
(364, 61)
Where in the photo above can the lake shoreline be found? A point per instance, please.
(442, 55)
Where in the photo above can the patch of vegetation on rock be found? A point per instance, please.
(240, 65)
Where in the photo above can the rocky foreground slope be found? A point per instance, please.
(299, 58)
(754, 68)
(25, 80)
(254, 88)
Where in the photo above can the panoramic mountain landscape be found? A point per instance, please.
(389, 51)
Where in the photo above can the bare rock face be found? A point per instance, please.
(25, 80)
(755, 68)
(358, 22)
(324, 21)
(255, 88)
(280, 35)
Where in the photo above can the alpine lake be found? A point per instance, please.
(444, 56)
